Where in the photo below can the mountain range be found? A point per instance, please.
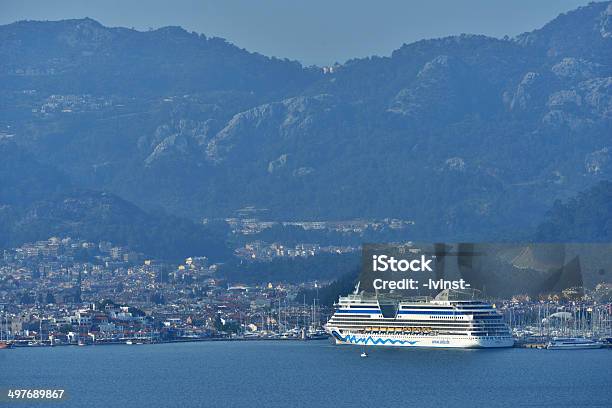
(38, 201)
(472, 137)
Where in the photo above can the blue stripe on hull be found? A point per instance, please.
(361, 340)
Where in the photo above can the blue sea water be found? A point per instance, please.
(308, 374)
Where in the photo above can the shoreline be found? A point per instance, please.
(142, 342)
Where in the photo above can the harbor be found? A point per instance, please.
(581, 318)
(575, 315)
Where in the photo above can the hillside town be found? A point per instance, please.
(64, 291)
(69, 291)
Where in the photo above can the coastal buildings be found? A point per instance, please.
(64, 291)
(70, 291)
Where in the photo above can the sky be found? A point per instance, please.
(318, 32)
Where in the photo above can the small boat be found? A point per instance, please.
(129, 342)
(572, 343)
(5, 345)
(317, 334)
(364, 354)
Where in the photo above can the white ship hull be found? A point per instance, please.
(422, 341)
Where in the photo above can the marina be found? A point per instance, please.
(532, 324)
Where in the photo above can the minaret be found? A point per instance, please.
(78, 293)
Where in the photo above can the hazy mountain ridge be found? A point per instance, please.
(82, 56)
(466, 135)
(37, 202)
(584, 218)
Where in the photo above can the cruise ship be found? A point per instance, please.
(444, 321)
